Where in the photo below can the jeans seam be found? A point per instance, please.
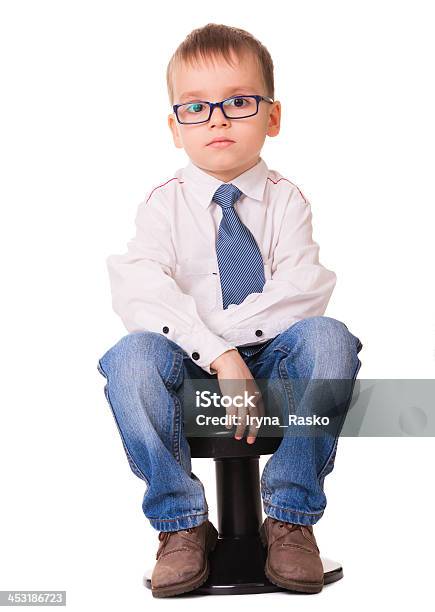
(284, 376)
(174, 369)
(266, 503)
(153, 518)
(262, 482)
(177, 429)
(286, 350)
(174, 373)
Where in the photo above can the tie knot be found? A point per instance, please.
(226, 195)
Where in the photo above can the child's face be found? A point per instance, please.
(215, 82)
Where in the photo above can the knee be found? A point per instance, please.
(326, 337)
(135, 354)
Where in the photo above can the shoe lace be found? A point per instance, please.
(164, 537)
(306, 530)
(290, 526)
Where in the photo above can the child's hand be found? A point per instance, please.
(235, 379)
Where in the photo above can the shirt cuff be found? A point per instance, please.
(203, 347)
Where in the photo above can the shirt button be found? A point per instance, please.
(258, 332)
(165, 329)
(195, 355)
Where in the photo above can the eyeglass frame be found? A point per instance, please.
(213, 105)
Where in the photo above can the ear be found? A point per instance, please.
(274, 123)
(173, 126)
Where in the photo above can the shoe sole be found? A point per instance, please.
(292, 585)
(197, 581)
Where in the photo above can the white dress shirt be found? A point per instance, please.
(168, 281)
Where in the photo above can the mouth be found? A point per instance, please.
(221, 143)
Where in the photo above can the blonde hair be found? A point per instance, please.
(217, 40)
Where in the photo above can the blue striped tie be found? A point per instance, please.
(241, 267)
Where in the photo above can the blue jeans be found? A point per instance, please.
(145, 373)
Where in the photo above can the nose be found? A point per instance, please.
(218, 117)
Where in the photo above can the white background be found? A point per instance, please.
(83, 136)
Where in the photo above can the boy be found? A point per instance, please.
(223, 280)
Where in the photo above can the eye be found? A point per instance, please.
(196, 107)
(239, 102)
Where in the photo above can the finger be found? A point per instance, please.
(254, 426)
(256, 415)
(240, 429)
(253, 393)
(232, 415)
(250, 409)
(231, 386)
(229, 389)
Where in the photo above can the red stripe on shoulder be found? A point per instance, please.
(162, 185)
(284, 179)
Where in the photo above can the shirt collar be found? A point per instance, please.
(252, 182)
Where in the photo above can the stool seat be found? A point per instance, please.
(238, 560)
(221, 447)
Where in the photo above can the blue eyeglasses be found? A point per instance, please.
(235, 107)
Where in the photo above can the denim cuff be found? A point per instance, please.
(289, 515)
(181, 522)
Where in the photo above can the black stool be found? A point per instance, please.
(237, 562)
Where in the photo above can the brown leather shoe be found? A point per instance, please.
(293, 560)
(182, 559)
